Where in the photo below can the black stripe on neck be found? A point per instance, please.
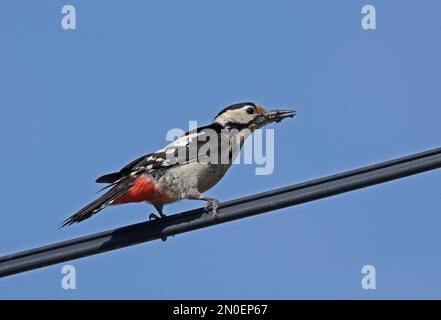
(235, 125)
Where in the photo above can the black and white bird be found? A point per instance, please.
(187, 167)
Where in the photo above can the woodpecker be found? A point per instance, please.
(187, 167)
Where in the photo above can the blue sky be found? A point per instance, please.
(79, 103)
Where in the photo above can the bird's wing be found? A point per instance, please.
(186, 149)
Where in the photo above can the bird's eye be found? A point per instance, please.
(250, 110)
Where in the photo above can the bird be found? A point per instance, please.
(187, 167)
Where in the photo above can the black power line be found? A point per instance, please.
(232, 210)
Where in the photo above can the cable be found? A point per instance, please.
(228, 211)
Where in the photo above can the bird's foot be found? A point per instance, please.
(212, 205)
(153, 216)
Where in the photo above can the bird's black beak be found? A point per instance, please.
(266, 116)
(278, 115)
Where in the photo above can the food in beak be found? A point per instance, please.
(279, 115)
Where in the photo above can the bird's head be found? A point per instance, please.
(250, 115)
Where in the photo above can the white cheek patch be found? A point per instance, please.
(237, 116)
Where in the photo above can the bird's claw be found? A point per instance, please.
(212, 205)
(153, 216)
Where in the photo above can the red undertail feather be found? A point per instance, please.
(143, 189)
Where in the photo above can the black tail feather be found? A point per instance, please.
(109, 178)
(97, 205)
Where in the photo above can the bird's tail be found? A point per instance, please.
(99, 204)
